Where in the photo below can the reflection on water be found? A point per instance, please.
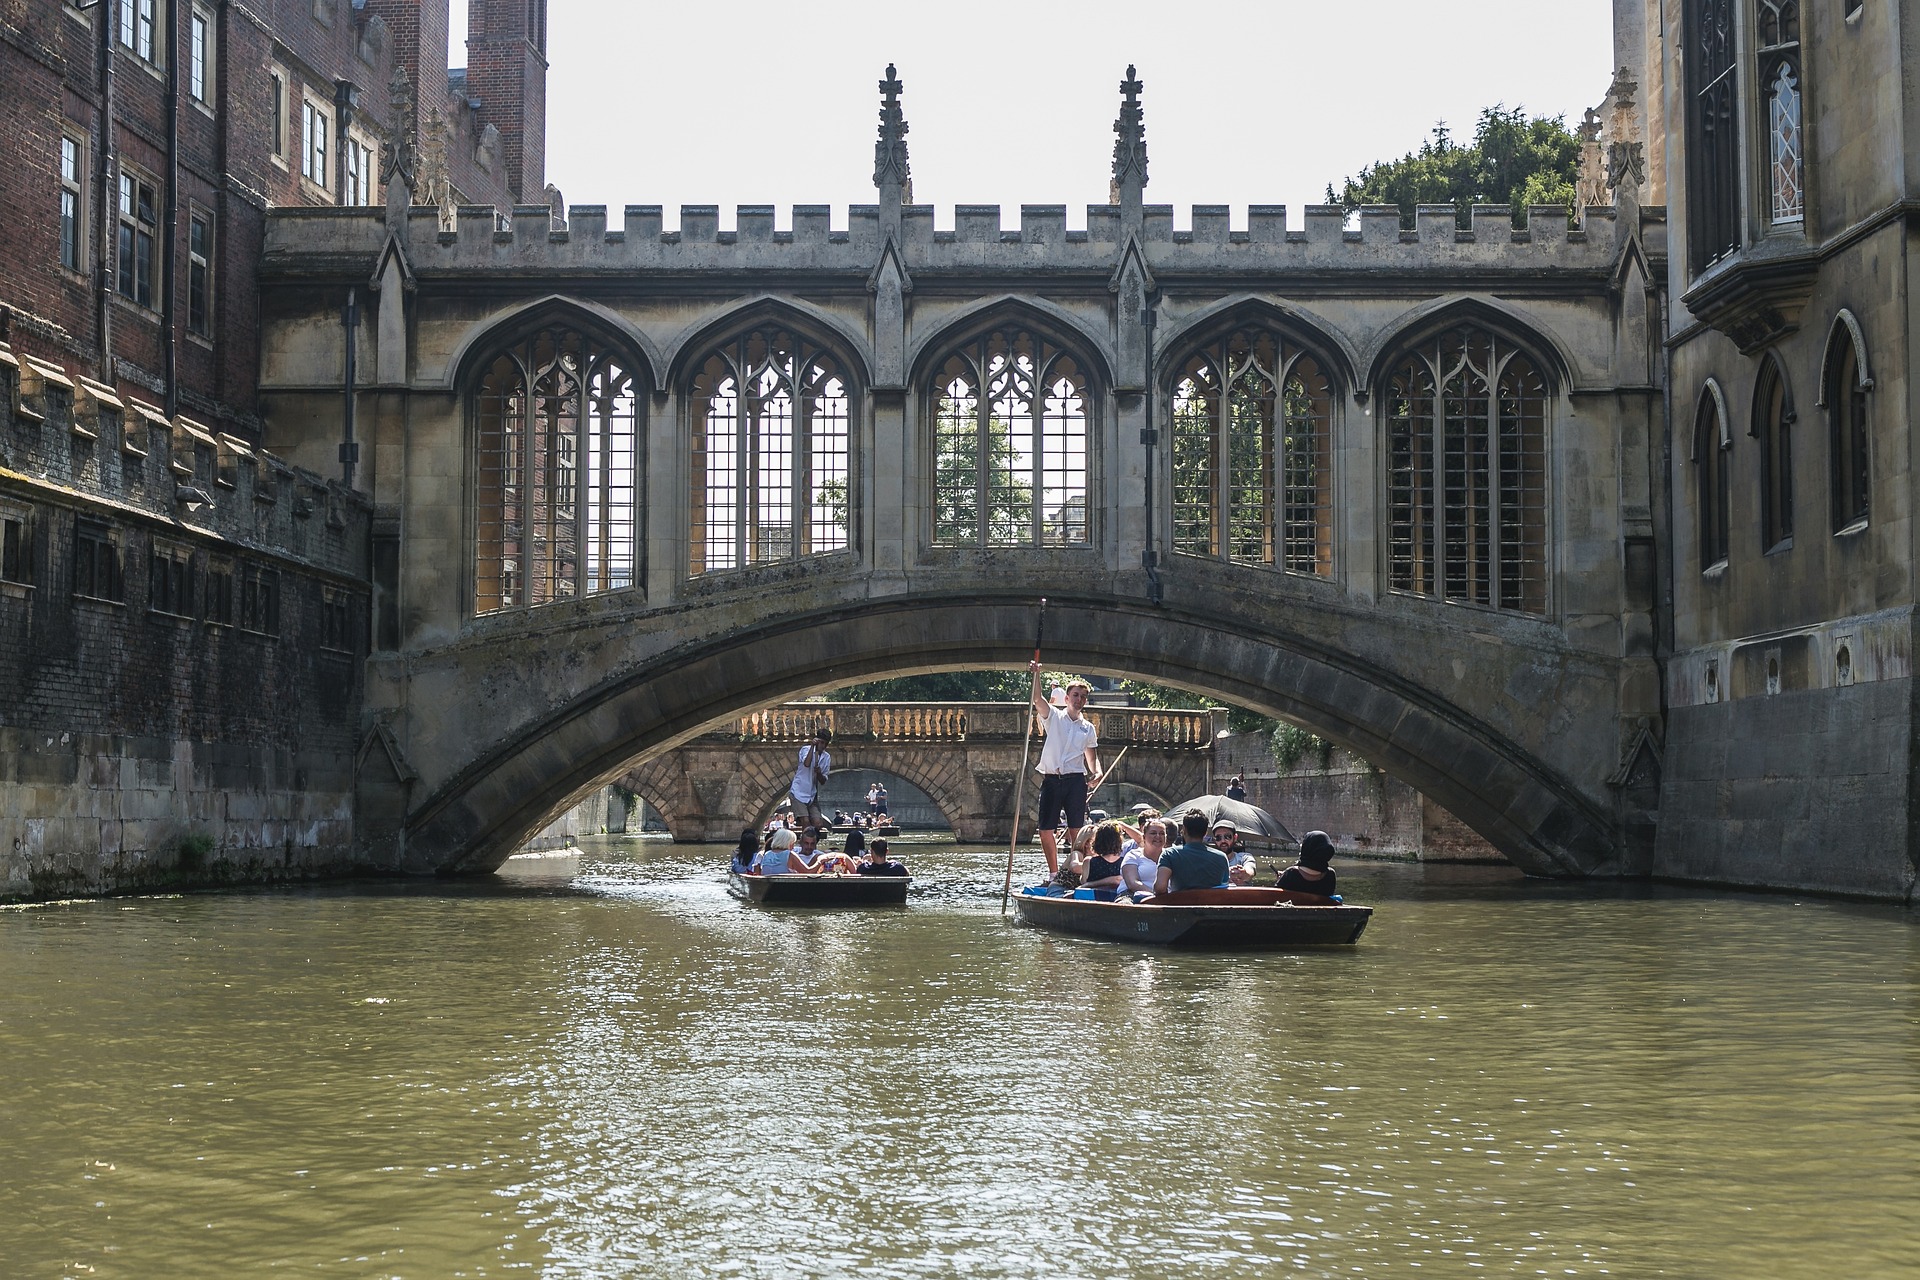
(632, 1074)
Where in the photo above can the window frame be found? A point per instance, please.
(129, 236)
(1712, 132)
(1768, 61)
(359, 169)
(73, 191)
(16, 549)
(280, 127)
(202, 58)
(97, 562)
(172, 580)
(1849, 412)
(315, 154)
(1713, 479)
(257, 597)
(1772, 426)
(139, 31)
(200, 273)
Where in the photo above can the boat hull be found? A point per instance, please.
(1222, 924)
(821, 890)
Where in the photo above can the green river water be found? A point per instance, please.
(633, 1074)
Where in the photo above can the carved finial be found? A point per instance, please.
(1130, 139)
(1622, 89)
(399, 159)
(1626, 155)
(435, 185)
(890, 152)
(1590, 126)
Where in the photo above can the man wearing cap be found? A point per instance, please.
(1069, 755)
(815, 765)
(1225, 837)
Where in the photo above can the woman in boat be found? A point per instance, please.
(1140, 863)
(1311, 874)
(744, 854)
(1101, 870)
(775, 860)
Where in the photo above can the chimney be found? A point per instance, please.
(507, 72)
(419, 32)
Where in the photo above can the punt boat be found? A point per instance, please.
(825, 890)
(1243, 917)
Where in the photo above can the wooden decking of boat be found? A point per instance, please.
(1228, 918)
(821, 890)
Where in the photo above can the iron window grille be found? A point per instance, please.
(1777, 23)
(770, 440)
(1011, 439)
(1252, 455)
(556, 473)
(1466, 474)
(1713, 137)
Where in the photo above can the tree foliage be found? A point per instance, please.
(941, 686)
(1513, 160)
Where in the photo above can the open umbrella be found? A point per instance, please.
(1257, 826)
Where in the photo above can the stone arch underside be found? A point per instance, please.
(1537, 817)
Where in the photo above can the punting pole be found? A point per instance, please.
(1109, 772)
(1026, 748)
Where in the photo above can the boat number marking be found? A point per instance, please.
(1141, 926)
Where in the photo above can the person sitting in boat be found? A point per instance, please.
(878, 863)
(777, 858)
(856, 846)
(1140, 861)
(1191, 865)
(1311, 874)
(1101, 870)
(1225, 837)
(745, 853)
(808, 857)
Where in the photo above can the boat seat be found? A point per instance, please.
(1239, 896)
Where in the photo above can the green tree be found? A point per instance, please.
(940, 686)
(1239, 719)
(1514, 159)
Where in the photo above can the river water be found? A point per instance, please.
(632, 1074)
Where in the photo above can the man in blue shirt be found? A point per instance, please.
(1191, 865)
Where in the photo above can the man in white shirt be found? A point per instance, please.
(815, 765)
(1069, 765)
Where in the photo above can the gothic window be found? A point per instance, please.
(1010, 423)
(1252, 455)
(1848, 453)
(556, 469)
(1466, 473)
(1772, 425)
(1713, 140)
(1778, 25)
(771, 430)
(1712, 462)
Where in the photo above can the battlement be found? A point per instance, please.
(1215, 238)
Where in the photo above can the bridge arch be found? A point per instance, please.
(483, 810)
(1433, 318)
(1047, 318)
(700, 338)
(1218, 319)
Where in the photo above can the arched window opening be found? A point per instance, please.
(1848, 450)
(1773, 425)
(556, 470)
(1252, 455)
(1713, 137)
(1712, 459)
(770, 440)
(1466, 474)
(1010, 423)
(1778, 24)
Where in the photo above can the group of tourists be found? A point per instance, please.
(1155, 855)
(781, 851)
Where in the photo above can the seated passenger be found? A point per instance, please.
(1101, 871)
(1311, 874)
(744, 854)
(879, 864)
(1192, 865)
(776, 860)
(1226, 838)
(1140, 862)
(808, 858)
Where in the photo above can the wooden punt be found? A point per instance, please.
(821, 890)
(1239, 918)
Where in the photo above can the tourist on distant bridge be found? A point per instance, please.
(1070, 754)
(1236, 789)
(815, 765)
(878, 863)
(1311, 874)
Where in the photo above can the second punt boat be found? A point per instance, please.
(821, 890)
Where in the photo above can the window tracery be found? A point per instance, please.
(1713, 141)
(1848, 444)
(1010, 421)
(1466, 473)
(556, 466)
(1712, 458)
(770, 443)
(1778, 25)
(1252, 455)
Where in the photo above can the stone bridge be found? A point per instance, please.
(965, 757)
(630, 483)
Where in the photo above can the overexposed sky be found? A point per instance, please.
(1259, 102)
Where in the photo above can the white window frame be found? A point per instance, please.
(201, 56)
(281, 126)
(357, 175)
(314, 156)
(138, 30)
(126, 215)
(73, 191)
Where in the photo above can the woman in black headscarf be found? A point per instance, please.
(1311, 874)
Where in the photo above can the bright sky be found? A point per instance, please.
(1259, 102)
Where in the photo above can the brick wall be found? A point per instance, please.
(153, 738)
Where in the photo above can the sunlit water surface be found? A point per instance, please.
(633, 1074)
